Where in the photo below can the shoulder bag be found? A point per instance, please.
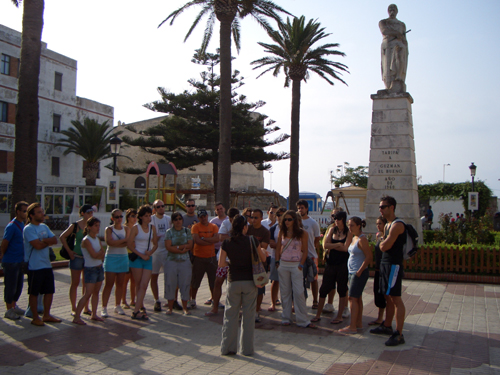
(260, 277)
(70, 241)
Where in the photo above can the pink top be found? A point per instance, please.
(291, 252)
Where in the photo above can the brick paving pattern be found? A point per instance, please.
(451, 328)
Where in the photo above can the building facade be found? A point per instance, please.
(58, 106)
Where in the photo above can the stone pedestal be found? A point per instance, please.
(392, 169)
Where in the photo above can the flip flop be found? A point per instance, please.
(347, 331)
(210, 313)
(87, 312)
(97, 319)
(278, 302)
(51, 319)
(310, 325)
(169, 312)
(336, 321)
(187, 313)
(208, 302)
(314, 320)
(79, 322)
(375, 323)
(271, 309)
(314, 306)
(37, 323)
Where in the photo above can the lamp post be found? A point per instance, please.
(444, 166)
(115, 143)
(472, 168)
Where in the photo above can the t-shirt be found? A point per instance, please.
(311, 226)
(209, 230)
(261, 234)
(188, 221)
(267, 223)
(14, 234)
(178, 237)
(218, 222)
(225, 227)
(239, 252)
(96, 245)
(37, 259)
(162, 225)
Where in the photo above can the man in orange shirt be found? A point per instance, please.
(204, 260)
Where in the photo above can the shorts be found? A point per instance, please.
(391, 276)
(76, 264)
(357, 284)
(41, 282)
(93, 275)
(141, 263)
(116, 263)
(262, 291)
(200, 266)
(273, 276)
(159, 261)
(335, 277)
(222, 272)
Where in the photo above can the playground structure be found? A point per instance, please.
(335, 202)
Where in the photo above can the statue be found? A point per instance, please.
(394, 51)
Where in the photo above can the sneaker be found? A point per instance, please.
(328, 308)
(192, 303)
(346, 313)
(119, 310)
(382, 330)
(177, 306)
(11, 314)
(18, 310)
(104, 312)
(157, 306)
(395, 340)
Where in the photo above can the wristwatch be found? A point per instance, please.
(301, 266)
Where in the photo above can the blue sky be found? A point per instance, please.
(453, 73)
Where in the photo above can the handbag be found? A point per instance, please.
(70, 240)
(133, 256)
(260, 277)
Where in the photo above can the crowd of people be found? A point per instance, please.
(147, 242)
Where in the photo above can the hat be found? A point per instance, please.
(85, 208)
(202, 213)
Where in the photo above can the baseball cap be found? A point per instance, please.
(202, 213)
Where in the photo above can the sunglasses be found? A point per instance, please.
(191, 205)
(118, 217)
(178, 218)
(159, 206)
(254, 217)
(89, 211)
(288, 219)
(384, 206)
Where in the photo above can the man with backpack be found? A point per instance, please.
(391, 272)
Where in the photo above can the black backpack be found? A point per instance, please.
(410, 248)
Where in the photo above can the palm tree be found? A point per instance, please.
(26, 133)
(228, 12)
(89, 140)
(294, 53)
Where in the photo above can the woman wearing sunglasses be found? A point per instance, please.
(116, 261)
(291, 254)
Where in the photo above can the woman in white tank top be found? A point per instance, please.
(116, 263)
(142, 242)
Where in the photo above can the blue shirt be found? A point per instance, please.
(356, 257)
(14, 234)
(37, 259)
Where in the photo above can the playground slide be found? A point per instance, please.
(180, 204)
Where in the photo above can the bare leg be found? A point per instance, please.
(83, 301)
(75, 281)
(380, 318)
(359, 320)
(331, 295)
(216, 294)
(400, 313)
(321, 304)
(132, 289)
(275, 287)
(342, 305)
(154, 286)
(314, 291)
(110, 278)
(353, 303)
(47, 304)
(389, 311)
(33, 302)
(260, 297)
(120, 277)
(95, 300)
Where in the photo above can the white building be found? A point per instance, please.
(57, 176)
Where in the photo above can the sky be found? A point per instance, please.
(453, 74)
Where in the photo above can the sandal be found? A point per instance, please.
(169, 312)
(79, 322)
(187, 312)
(271, 309)
(375, 323)
(135, 315)
(278, 302)
(336, 321)
(347, 331)
(208, 302)
(210, 313)
(314, 320)
(97, 319)
(314, 306)
(310, 325)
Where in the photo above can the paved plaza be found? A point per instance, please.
(450, 328)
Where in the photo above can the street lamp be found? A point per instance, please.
(115, 143)
(472, 168)
(444, 166)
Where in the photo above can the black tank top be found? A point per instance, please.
(336, 257)
(395, 254)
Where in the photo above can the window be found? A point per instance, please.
(6, 162)
(56, 123)
(5, 64)
(4, 112)
(55, 166)
(58, 81)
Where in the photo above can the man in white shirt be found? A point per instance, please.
(311, 226)
(218, 220)
(272, 219)
(162, 223)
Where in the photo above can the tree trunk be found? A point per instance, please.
(222, 190)
(91, 171)
(294, 145)
(215, 166)
(24, 178)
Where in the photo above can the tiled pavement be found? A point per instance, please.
(450, 328)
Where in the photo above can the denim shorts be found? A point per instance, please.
(357, 284)
(93, 275)
(76, 264)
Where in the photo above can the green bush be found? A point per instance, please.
(429, 236)
(470, 231)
